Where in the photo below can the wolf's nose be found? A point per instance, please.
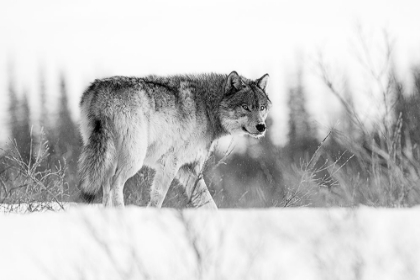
(260, 127)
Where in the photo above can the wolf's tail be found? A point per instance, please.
(97, 157)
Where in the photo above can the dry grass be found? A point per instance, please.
(385, 170)
(32, 185)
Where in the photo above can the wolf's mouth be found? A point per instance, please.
(252, 134)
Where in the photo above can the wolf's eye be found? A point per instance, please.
(245, 107)
(262, 108)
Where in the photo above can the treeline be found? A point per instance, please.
(350, 165)
(42, 152)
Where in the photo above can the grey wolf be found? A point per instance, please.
(166, 123)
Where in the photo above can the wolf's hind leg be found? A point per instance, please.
(130, 160)
(106, 189)
(117, 190)
(125, 172)
(195, 188)
(165, 173)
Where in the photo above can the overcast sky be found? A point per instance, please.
(92, 39)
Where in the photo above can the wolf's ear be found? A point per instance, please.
(262, 82)
(233, 82)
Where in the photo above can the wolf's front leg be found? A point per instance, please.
(201, 197)
(195, 187)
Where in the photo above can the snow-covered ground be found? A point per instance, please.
(137, 243)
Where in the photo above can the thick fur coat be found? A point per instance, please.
(166, 123)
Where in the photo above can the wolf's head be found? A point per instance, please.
(245, 105)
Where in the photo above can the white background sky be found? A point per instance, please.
(92, 39)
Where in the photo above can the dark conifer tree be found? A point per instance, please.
(407, 108)
(66, 128)
(26, 140)
(44, 120)
(13, 110)
(302, 140)
(19, 121)
(66, 144)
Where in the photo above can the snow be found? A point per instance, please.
(138, 243)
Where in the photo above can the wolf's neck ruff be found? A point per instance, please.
(167, 123)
